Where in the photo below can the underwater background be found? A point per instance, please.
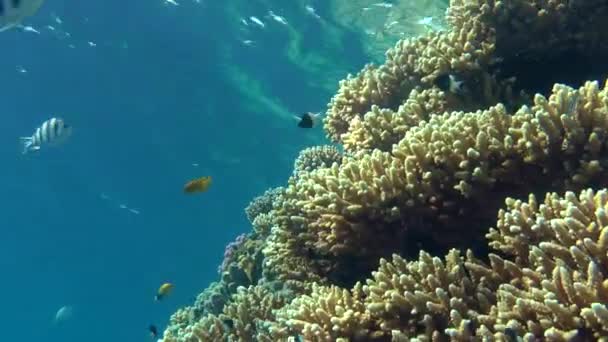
(157, 94)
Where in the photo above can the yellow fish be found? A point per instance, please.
(163, 291)
(198, 185)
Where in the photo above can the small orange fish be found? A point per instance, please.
(198, 185)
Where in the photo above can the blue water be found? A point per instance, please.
(164, 88)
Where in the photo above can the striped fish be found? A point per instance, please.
(52, 132)
(12, 12)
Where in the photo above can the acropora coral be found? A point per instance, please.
(395, 237)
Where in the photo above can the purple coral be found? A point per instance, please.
(230, 251)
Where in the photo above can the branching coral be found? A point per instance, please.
(448, 172)
(230, 251)
(316, 157)
(423, 298)
(243, 264)
(557, 291)
(328, 314)
(519, 23)
(262, 204)
(243, 319)
(561, 247)
(411, 63)
(381, 128)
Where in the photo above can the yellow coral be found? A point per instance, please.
(316, 157)
(411, 63)
(430, 299)
(381, 128)
(242, 320)
(328, 314)
(360, 206)
(561, 247)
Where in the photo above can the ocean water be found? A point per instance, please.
(157, 95)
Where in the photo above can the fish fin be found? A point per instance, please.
(26, 144)
(458, 87)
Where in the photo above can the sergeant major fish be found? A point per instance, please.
(12, 12)
(52, 132)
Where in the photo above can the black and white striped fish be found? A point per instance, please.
(12, 12)
(52, 132)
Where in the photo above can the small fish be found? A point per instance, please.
(64, 313)
(257, 21)
(277, 18)
(52, 132)
(308, 120)
(392, 23)
(312, 11)
(451, 83)
(153, 331)
(228, 323)
(163, 291)
(198, 185)
(30, 29)
(56, 18)
(12, 12)
(383, 4)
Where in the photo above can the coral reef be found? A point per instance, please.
(316, 157)
(450, 173)
(243, 319)
(560, 250)
(262, 204)
(230, 251)
(349, 249)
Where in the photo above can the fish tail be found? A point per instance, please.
(26, 144)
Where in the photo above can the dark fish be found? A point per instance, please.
(511, 335)
(308, 120)
(450, 83)
(153, 331)
(229, 323)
